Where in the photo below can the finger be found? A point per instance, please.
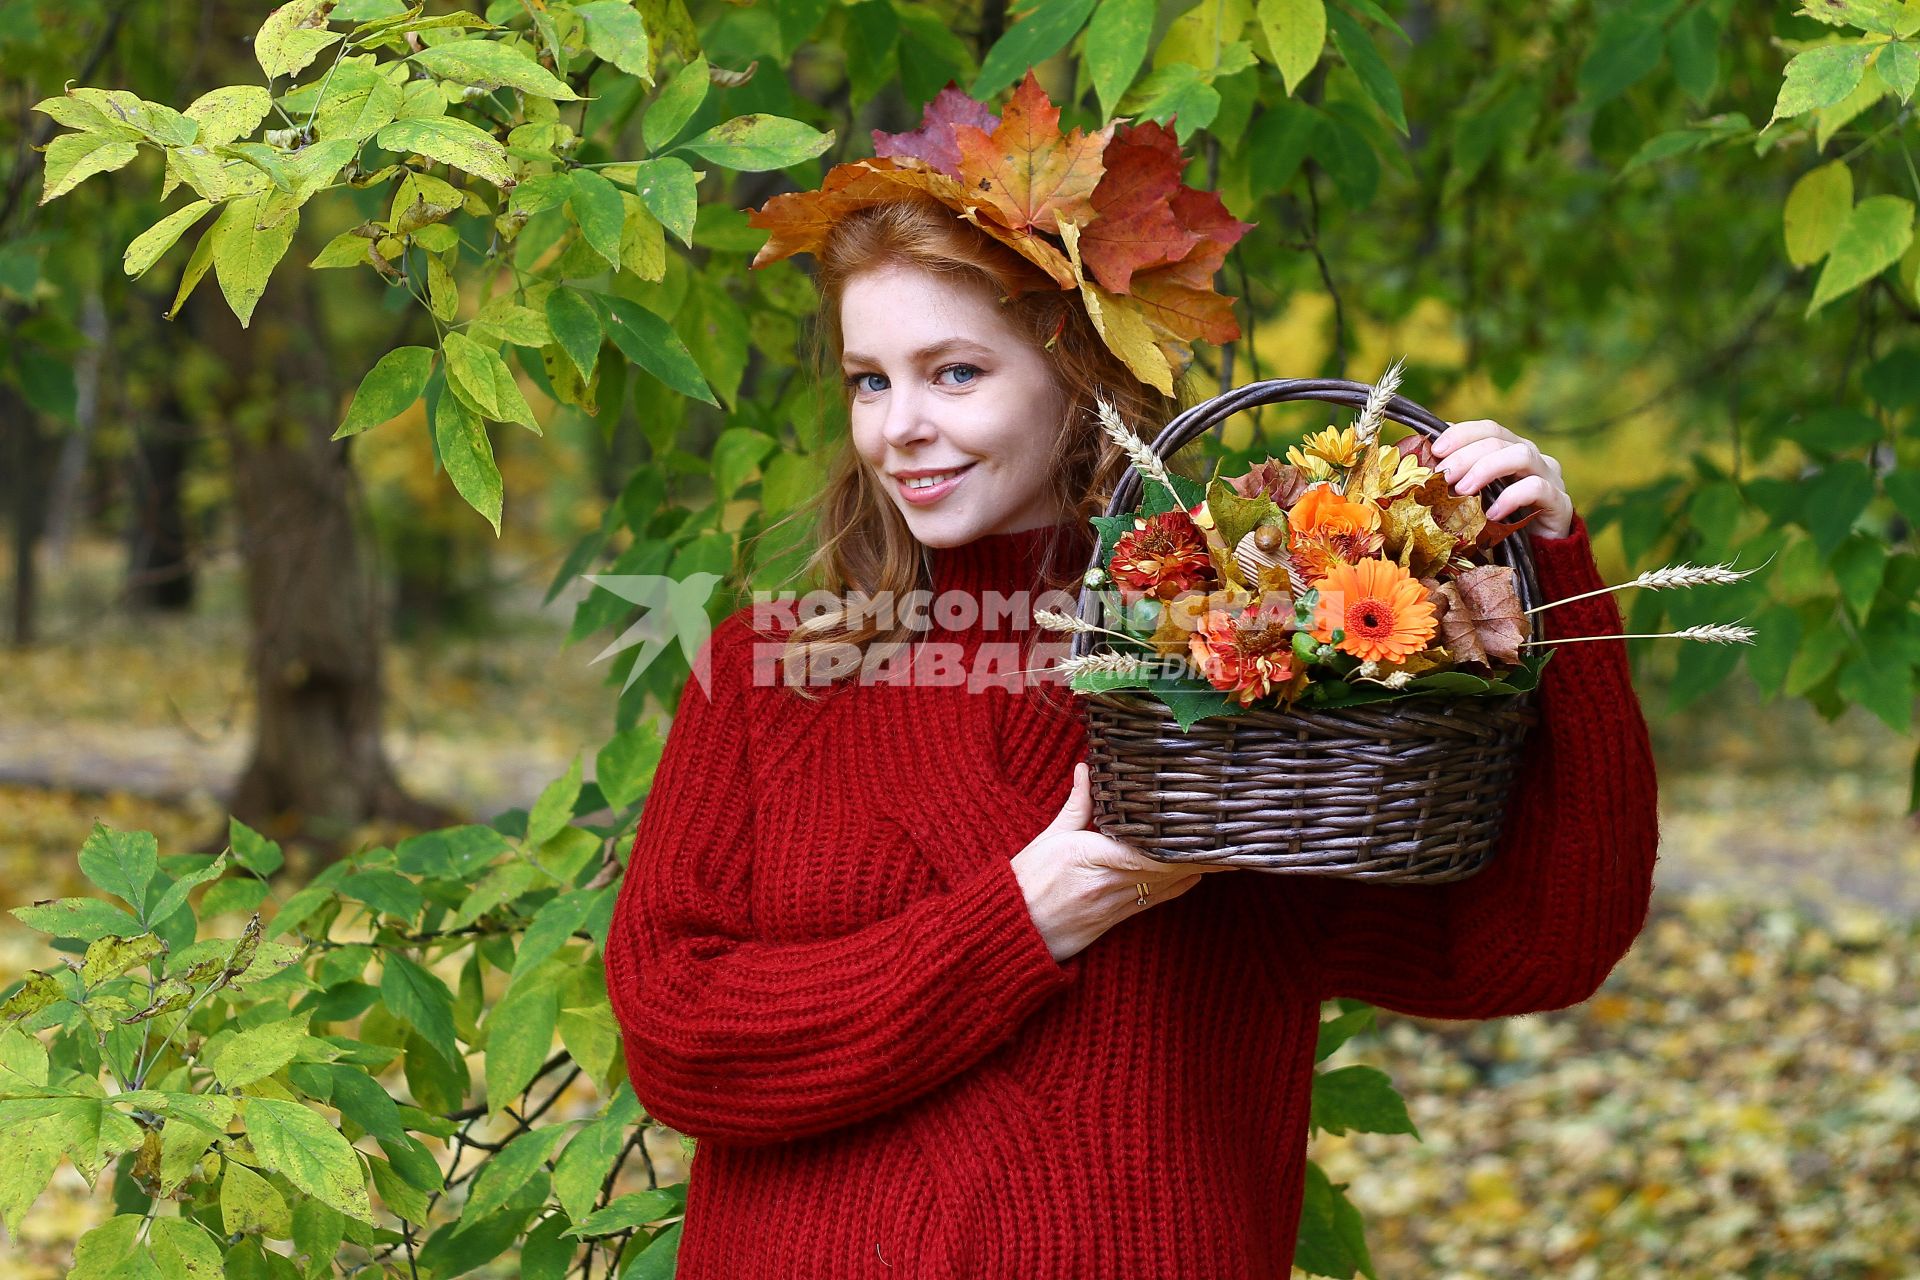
(1528, 490)
(1509, 460)
(1077, 812)
(1161, 891)
(1463, 433)
(1168, 892)
(1463, 458)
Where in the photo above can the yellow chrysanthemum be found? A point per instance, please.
(1333, 446)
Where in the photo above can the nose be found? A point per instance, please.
(906, 423)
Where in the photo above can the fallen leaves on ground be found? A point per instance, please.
(1738, 1100)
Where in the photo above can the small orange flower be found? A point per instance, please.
(1315, 554)
(1322, 509)
(1383, 610)
(1249, 661)
(1162, 556)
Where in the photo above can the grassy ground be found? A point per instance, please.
(1738, 1101)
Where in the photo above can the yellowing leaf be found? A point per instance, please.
(1817, 209)
(1413, 539)
(1296, 32)
(1122, 326)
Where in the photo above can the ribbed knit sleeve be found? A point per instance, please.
(1568, 888)
(743, 1040)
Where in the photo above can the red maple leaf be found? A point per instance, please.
(933, 142)
(1136, 227)
(1219, 231)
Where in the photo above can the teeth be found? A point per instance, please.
(928, 482)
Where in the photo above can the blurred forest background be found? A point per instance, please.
(1565, 216)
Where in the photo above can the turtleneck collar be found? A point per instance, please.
(1010, 562)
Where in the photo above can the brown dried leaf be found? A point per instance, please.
(1483, 621)
(1460, 514)
(1282, 481)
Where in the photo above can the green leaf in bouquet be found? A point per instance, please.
(1107, 681)
(1154, 498)
(1234, 516)
(1111, 529)
(1191, 705)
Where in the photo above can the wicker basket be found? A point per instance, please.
(1411, 790)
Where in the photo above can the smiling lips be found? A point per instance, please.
(927, 487)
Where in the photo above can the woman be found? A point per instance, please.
(925, 1020)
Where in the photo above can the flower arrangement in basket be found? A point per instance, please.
(1324, 665)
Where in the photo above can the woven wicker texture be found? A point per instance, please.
(1407, 791)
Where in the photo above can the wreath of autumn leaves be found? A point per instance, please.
(1104, 213)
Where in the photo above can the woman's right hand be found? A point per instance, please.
(1079, 883)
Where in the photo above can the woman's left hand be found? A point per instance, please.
(1480, 450)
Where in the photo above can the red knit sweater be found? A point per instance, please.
(825, 970)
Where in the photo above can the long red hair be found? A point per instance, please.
(864, 544)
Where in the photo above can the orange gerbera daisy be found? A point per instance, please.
(1250, 657)
(1382, 608)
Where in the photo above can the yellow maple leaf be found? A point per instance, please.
(1122, 327)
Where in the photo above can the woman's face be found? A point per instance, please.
(943, 386)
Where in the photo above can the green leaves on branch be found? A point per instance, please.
(757, 142)
(248, 1075)
(390, 387)
(450, 142)
(290, 38)
(1043, 32)
(493, 64)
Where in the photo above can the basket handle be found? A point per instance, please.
(1203, 417)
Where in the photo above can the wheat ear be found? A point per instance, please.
(1712, 633)
(1121, 662)
(1145, 461)
(1054, 620)
(1368, 428)
(1371, 416)
(1669, 576)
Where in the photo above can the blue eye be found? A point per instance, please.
(971, 371)
(854, 380)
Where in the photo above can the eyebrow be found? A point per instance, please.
(925, 353)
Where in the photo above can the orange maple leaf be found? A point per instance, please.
(800, 220)
(1182, 309)
(1026, 171)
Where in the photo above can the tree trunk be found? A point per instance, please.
(318, 767)
(159, 567)
(27, 465)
